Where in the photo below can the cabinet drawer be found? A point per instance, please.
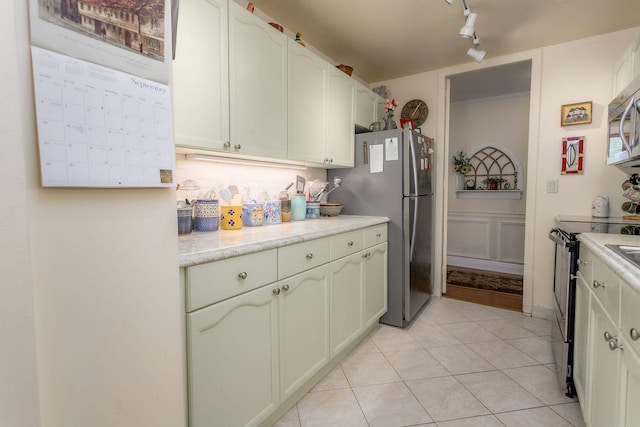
(346, 244)
(375, 235)
(299, 257)
(215, 281)
(606, 287)
(630, 316)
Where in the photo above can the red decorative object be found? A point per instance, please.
(572, 155)
(409, 122)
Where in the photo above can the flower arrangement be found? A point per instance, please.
(460, 163)
(389, 106)
(493, 182)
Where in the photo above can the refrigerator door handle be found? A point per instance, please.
(415, 189)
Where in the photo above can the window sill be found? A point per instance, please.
(489, 194)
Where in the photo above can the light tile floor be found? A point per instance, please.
(458, 365)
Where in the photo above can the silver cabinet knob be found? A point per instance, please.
(608, 336)
(634, 334)
(227, 145)
(331, 160)
(613, 345)
(276, 291)
(237, 147)
(285, 287)
(597, 284)
(350, 243)
(242, 275)
(378, 235)
(309, 255)
(365, 256)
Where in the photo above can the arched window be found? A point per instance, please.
(490, 164)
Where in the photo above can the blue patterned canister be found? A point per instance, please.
(252, 214)
(272, 212)
(206, 215)
(313, 210)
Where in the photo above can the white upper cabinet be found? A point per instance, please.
(257, 85)
(627, 68)
(366, 105)
(200, 79)
(306, 109)
(341, 91)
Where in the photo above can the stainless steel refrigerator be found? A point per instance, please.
(392, 177)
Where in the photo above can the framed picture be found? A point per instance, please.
(572, 155)
(408, 122)
(576, 114)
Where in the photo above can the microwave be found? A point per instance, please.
(623, 146)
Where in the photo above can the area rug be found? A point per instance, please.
(482, 279)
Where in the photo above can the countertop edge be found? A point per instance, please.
(623, 268)
(212, 247)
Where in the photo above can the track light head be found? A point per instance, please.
(477, 55)
(465, 7)
(467, 30)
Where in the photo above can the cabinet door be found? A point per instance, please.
(306, 107)
(580, 344)
(605, 370)
(622, 73)
(366, 101)
(257, 85)
(375, 283)
(634, 51)
(630, 388)
(346, 301)
(200, 79)
(233, 360)
(304, 327)
(340, 121)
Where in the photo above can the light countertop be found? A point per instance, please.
(625, 269)
(201, 247)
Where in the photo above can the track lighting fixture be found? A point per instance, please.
(467, 30)
(465, 7)
(477, 55)
(449, 1)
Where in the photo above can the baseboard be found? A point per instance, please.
(484, 264)
(485, 297)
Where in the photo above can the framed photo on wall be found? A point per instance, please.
(572, 155)
(576, 114)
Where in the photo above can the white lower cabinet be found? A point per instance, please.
(248, 352)
(346, 301)
(606, 363)
(303, 307)
(232, 364)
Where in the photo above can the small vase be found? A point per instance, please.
(389, 123)
(459, 181)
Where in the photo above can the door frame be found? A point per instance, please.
(441, 166)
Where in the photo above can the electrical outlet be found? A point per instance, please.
(552, 185)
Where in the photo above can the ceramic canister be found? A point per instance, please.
(231, 217)
(206, 215)
(313, 210)
(252, 214)
(185, 220)
(272, 212)
(298, 207)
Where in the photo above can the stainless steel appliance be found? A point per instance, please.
(567, 250)
(392, 178)
(624, 128)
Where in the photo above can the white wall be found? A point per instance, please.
(90, 284)
(18, 364)
(571, 72)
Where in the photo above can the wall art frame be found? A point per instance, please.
(579, 113)
(573, 155)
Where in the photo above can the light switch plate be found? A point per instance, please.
(552, 185)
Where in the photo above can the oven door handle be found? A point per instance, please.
(558, 238)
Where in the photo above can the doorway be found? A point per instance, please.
(488, 131)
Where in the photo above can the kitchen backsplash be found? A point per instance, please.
(251, 179)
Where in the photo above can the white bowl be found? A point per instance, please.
(330, 209)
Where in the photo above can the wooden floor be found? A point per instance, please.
(485, 297)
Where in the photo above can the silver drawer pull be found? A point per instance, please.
(613, 345)
(634, 334)
(597, 284)
(582, 262)
(309, 255)
(350, 243)
(608, 336)
(276, 291)
(242, 275)
(285, 287)
(378, 235)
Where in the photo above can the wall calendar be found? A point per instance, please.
(99, 127)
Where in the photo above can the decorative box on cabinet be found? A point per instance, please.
(257, 85)
(200, 76)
